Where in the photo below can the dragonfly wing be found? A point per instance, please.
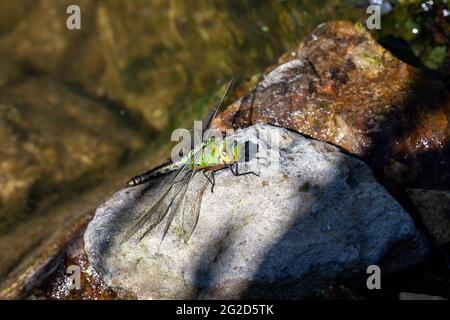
(158, 209)
(208, 120)
(177, 205)
(191, 214)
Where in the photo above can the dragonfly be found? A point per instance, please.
(207, 157)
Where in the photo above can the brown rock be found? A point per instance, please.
(91, 286)
(27, 279)
(434, 208)
(342, 87)
(47, 276)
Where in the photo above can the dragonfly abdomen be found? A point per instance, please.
(156, 172)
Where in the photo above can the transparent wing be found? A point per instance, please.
(208, 120)
(191, 213)
(182, 194)
(158, 209)
(176, 207)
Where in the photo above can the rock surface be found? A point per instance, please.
(434, 209)
(313, 218)
(341, 86)
(91, 286)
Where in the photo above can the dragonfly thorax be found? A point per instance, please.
(213, 153)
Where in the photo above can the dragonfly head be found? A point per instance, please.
(227, 151)
(234, 151)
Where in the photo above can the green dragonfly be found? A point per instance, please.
(207, 157)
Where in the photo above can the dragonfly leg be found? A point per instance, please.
(211, 180)
(237, 173)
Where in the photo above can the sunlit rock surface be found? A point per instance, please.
(314, 217)
(341, 86)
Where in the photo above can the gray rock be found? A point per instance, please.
(434, 209)
(315, 217)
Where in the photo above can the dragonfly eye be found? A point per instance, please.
(247, 151)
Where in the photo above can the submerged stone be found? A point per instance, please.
(52, 148)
